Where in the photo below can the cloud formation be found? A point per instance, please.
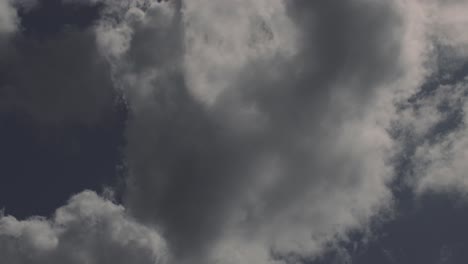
(8, 18)
(432, 120)
(89, 229)
(436, 127)
(258, 129)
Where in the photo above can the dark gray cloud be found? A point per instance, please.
(200, 151)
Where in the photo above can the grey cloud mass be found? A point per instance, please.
(259, 131)
(248, 142)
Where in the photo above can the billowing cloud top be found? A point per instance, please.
(260, 131)
(89, 229)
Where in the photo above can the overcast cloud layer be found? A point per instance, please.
(260, 131)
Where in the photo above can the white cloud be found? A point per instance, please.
(89, 229)
(245, 32)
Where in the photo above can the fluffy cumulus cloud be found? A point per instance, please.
(258, 129)
(89, 229)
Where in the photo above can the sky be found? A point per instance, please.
(233, 131)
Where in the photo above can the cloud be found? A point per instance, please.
(448, 23)
(258, 137)
(89, 229)
(431, 124)
(438, 126)
(258, 129)
(8, 18)
(215, 57)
